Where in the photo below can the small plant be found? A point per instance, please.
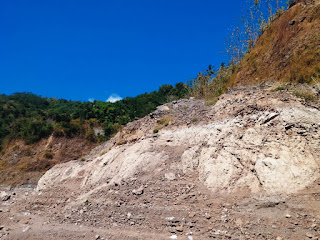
(48, 154)
(306, 95)
(316, 83)
(281, 88)
(82, 159)
(212, 101)
(28, 152)
(194, 120)
(165, 120)
(86, 202)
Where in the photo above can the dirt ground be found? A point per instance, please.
(183, 209)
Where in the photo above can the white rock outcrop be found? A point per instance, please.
(255, 141)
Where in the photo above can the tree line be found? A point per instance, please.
(30, 117)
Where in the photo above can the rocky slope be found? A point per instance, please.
(254, 141)
(245, 168)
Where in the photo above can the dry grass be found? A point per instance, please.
(306, 95)
(163, 122)
(212, 101)
(284, 52)
(48, 155)
(316, 83)
(194, 120)
(280, 88)
(166, 120)
(303, 91)
(29, 165)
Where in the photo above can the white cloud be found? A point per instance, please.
(113, 98)
(91, 99)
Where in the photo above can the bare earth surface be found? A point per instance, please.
(246, 168)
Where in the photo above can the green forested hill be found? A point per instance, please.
(31, 117)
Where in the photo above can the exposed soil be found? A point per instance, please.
(23, 165)
(166, 209)
(172, 184)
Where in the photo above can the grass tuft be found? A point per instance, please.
(306, 95)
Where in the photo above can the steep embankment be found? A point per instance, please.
(23, 165)
(248, 167)
(189, 171)
(251, 140)
(288, 51)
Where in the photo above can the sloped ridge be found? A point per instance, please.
(288, 51)
(251, 140)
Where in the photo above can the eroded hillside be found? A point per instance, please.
(245, 168)
(23, 165)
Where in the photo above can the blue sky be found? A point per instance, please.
(81, 50)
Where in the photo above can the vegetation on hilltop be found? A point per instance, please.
(30, 117)
(268, 44)
(287, 50)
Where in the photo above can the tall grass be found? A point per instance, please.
(210, 84)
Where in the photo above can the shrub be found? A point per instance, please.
(281, 88)
(91, 136)
(194, 120)
(210, 84)
(166, 120)
(58, 131)
(31, 130)
(110, 129)
(306, 95)
(48, 154)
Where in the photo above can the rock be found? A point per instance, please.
(170, 176)
(279, 238)
(179, 229)
(26, 229)
(160, 111)
(288, 216)
(309, 235)
(163, 108)
(192, 214)
(292, 22)
(4, 196)
(243, 144)
(138, 191)
(97, 237)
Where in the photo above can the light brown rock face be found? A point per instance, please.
(246, 168)
(250, 140)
